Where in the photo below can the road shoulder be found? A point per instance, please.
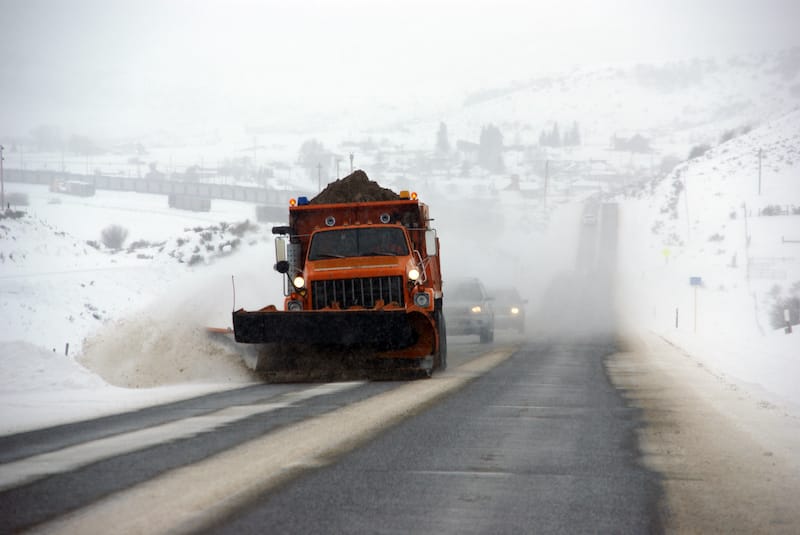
(729, 461)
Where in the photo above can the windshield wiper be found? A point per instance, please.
(328, 255)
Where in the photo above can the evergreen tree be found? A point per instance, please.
(312, 154)
(576, 134)
(490, 149)
(555, 136)
(442, 140)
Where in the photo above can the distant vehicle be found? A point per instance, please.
(468, 309)
(509, 309)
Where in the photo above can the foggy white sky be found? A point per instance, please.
(116, 67)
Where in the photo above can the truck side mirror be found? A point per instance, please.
(430, 242)
(280, 251)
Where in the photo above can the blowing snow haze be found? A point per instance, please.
(113, 69)
(630, 169)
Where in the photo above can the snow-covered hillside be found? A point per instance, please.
(708, 220)
(676, 105)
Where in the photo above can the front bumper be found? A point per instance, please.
(376, 329)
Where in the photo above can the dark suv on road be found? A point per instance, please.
(468, 309)
(509, 309)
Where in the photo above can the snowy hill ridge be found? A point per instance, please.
(707, 222)
(676, 104)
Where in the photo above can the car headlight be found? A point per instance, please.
(299, 281)
(413, 274)
(294, 305)
(476, 309)
(422, 300)
(514, 310)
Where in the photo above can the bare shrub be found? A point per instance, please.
(139, 244)
(15, 198)
(779, 305)
(114, 236)
(11, 214)
(698, 150)
(245, 226)
(772, 210)
(195, 259)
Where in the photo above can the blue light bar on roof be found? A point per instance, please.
(302, 201)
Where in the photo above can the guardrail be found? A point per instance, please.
(230, 192)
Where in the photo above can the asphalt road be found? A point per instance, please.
(538, 441)
(541, 444)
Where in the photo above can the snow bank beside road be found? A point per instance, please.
(41, 388)
(142, 352)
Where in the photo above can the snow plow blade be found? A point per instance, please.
(395, 334)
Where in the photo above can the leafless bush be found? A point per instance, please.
(15, 198)
(698, 150)
(780, 304)
(195, 259)
(245, 226)
(114, 236)
(11, 214)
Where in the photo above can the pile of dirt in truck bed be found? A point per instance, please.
(355, 187)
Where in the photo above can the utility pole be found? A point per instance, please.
(686, 203)
(319, 177)
(546, 175)
(759, 171)
(2, 184)
(351, 163)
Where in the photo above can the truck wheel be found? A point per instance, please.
(440, 358)
(486, 335)
(442, 344)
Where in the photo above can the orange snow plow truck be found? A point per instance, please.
(361, 276)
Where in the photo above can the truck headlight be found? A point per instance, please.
(422, 300)
(413, 274)
(514, 310)
(476, 309)
(298, 282)
(294, 305)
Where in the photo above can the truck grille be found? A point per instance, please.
(362, 292)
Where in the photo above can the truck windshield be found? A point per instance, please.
(343, 243)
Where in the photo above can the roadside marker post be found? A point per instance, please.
(695, 282)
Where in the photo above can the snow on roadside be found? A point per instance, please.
(703, 221)
(132, 318)
(41, 388)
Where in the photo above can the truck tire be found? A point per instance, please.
(487, 335)
(440, 358)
